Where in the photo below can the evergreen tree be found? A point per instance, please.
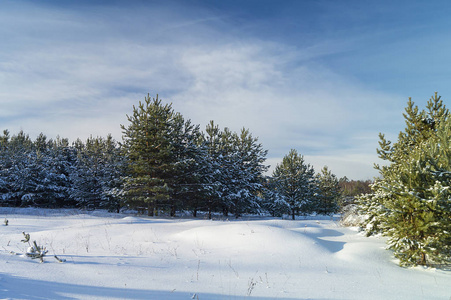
(329, 192)
(410, 202)
(4, 167)
(97, 173)
(16, 169)
(188, 157)
(60, 164)
(148, 149)
(215, 172)
(86, 188)
(111, 180)
(247, 168)
(163, 154)
(294, 181)
(234, 171)
(272, 201)
(44, 181)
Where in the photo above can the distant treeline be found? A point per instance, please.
(164, 164)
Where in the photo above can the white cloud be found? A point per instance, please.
(77, 74)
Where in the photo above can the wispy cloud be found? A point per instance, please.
(78, 72)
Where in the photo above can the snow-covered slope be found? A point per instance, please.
(111, 256)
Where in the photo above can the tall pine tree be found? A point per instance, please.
(328, 192)
(410, 201)
(294, 181)
(148, 149)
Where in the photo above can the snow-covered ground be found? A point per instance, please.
(111, 256)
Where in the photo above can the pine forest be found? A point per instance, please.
(167, 165)
(164, 165)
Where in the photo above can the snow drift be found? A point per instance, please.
(110, 256)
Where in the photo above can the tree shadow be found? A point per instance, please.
(12, 287)
(321, 238)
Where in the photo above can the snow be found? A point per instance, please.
(111, 256)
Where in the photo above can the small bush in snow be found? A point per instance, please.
(350, 216)
(34, 251)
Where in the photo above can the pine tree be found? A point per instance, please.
(164, 158)
(410, 202)
(148, 149)
(60, 164)
(294, 181)
(247, 167)
(234, 171)
(188, 156)
(272, 201)
(5, 167)
(329, 192)
(16, 170)
(97, 173)
(86, 186)
(111, 177)
(214, 172)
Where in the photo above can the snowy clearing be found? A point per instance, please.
(110, 256)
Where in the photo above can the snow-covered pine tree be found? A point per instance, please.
(46, 185)
(228, 170)
(5, 166)
(59, 164)
(111, 180)
(409, 202)
(214, 171)
(273, 202)
(247, 168)
(97, 173)
(32, 179)
(234, 169)
(86, 184)
(195, 177)
(4, 156)
(188, 156)
(328, 192)
(294, 181)
(147, 147)
(16, 169)
(438, 200)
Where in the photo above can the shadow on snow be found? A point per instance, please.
(12, 287)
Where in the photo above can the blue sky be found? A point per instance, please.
(322, 77)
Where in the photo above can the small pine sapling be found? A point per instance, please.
(26, 238)
(34, 251)
(37, 252)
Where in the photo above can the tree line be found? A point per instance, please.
(167, 164)
(164, 163)
(53, 173)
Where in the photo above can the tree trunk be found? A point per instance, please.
(150, 210)
(225, 211)
(172, 210)
(423, 261)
